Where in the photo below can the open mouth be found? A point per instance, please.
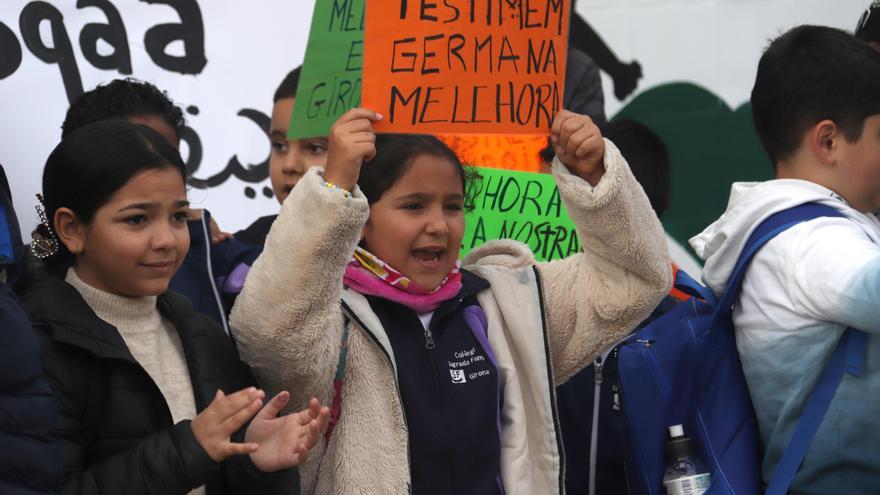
(429, 256)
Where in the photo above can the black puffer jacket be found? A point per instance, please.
(117, 428)
(30, 455)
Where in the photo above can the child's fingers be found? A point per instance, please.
(241, 417)
(233, 403)
(556, 127)
(214, 407)
(359, 125)
(274, 406)
(323, 418)
(220, 237)
(569, 128)
(590, 146)
(295, 457)
(314, 408)
(578, 138)
(366, 150)
(358, 113)
(363, 137)
(230, 449)
(302, 454)
(314, 433)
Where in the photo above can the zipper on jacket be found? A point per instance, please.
(347, 311)
(429, 339)
(598, 367)
(217, 299)
(594, 443)
(555, 410)
(429, 346)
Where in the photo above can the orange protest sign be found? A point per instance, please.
(521, 152)
(465, 66)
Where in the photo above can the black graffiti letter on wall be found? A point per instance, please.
(113, 33)
(10, 52)
(190, 30)
(246, 173)
(60, 52)
(194, 145)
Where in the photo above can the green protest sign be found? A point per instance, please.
(330, 83)
(522, 206)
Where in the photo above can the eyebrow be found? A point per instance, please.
(424, 196)
(279, 133)
(147, 206)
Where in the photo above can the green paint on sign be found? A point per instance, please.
(522, 206)
(330, 83)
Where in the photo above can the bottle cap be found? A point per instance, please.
(679, 446)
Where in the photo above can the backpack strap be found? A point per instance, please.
(848, 356)
(772, 226)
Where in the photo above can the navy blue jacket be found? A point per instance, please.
(30, 454)
(450, 391)
(576, 401)
(255, 234)
(211, 277)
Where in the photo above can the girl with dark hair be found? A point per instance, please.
(141, 378)
(444, 379)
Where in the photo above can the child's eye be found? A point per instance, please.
(412, 206)
(279, 146)
(181, 216)
(455, 207)
(136, 219)
(316, 148)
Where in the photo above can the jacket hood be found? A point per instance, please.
(11, 247)
(750, 203)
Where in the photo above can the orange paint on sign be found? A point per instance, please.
(520, 152)
(465, 66)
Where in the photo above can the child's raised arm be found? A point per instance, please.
(287, 320)
(595, 298)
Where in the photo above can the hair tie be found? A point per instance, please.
(44, 243)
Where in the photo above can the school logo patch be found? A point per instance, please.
(458, 376)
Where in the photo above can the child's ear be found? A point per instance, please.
(70, 230)
(823, 140)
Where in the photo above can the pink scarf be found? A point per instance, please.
(369, 275)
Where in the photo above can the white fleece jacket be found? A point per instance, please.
(288, 322)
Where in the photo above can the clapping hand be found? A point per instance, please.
(285, 441)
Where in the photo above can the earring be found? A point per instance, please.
(44, 244)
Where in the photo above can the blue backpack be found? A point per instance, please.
(683, 368)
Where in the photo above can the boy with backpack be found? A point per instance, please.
(816, 107)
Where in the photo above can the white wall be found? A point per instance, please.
(712, 43)
(249, 46)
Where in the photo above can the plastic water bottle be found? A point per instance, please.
(685, 474)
